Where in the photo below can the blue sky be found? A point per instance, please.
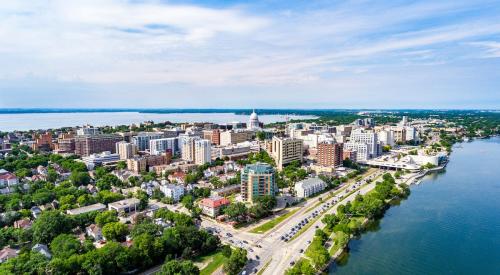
(243, 54)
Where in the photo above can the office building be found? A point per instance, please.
(126, 150)
(330, 154)
(235, 136)
(85, 145)
(202, 151)
(142, 139)
(370, 138)
(257, 180)
(286, 150)
(88, 130)
(212, 135)
(100, 159)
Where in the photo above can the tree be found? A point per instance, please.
(121, 165)
(107, 181)
(261, 135)
(236, 261)
(49, 225)
(175, 267)
(115, 231)
(226, 251)
(188, 201)
(236, 211)
(64, 245)
(330, 220)
(143, 199)
(79, 178)
(105, 217)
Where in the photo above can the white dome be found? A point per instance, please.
(254, 116)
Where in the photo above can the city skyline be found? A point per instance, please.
(234, 54)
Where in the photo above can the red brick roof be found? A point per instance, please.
(7, 176)
(214, 202)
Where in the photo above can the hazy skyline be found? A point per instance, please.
(244, 54)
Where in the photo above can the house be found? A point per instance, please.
(36, 211)
(149, 187)
(7, 181)
(95, 232)
(42, 249)
(23, 223)
(213, 206)
(8, 253)
(177, 176)
(173, 191)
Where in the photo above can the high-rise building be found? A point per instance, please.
(258, 180)
(330, 154)
(142, 139)
(399, 134)
(86, 145)
(286, 150)
(203, 151)
(126, 150)
(188, 148)
(161, 145)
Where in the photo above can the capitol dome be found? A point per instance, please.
(253, 122)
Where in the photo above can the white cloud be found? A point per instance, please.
(113, 41)
(492, 48)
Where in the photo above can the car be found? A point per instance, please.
(245, 242)
(301, 250)
(292, 263)
(229, 234)
(316, 226)
(255, 270)
(308, 242)
(257, 257)
(259, 246)
(249, 249)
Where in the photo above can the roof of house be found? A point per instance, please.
(8, 253)
(22, 223)
(7, 176)
(309, 182)
(214, 202)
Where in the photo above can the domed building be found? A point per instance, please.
(253, 122)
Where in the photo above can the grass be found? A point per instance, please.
(272, 223)
(216, 261)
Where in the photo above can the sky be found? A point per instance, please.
(250, 54)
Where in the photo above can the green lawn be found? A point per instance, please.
(216, 261)
(272, 223)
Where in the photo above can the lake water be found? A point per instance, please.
(450, 224)
(29, 121)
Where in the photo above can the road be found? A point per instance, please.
(269, 248)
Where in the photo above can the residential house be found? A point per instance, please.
(212, 206)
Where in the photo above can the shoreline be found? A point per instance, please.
(415, 180)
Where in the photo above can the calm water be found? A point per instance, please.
(29, 121)
(449, 225)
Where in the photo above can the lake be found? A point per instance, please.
(450, 224)
(30, 121)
